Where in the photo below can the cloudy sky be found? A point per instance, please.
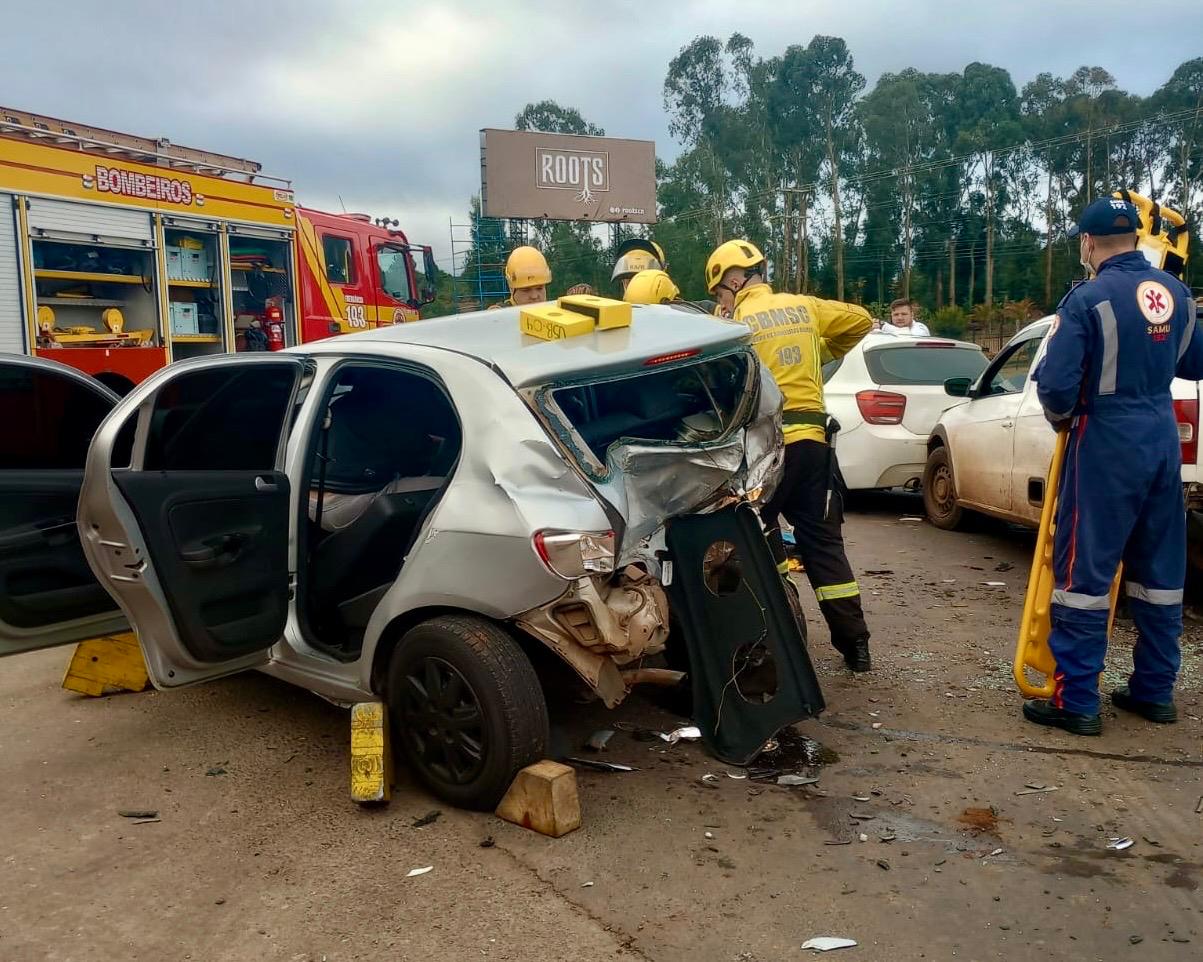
(379, 102)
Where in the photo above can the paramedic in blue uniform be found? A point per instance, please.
(1118, 341)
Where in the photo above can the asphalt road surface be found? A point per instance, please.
(259, 855)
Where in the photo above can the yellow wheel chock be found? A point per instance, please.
(1032, 650)
(110, 663)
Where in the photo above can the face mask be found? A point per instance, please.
(1084, 260)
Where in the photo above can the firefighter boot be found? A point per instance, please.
(856, 655)
(1161, 712)
(1045, 713)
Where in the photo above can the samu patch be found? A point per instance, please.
(1156, 303)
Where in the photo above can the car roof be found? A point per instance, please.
(493, 337)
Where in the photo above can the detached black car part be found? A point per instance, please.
(750, 669)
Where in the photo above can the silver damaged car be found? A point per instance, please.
(403, 515)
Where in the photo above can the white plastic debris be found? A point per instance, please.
(690, 733)
(1119, 844)
(730, 775)
(876, 725)
(796, 780)
(586, 885)
(825, 943)
(864, 837)
(418, 871)
(708, 835)
(911, 517)
(994, 584)
(710, 777)
(861, 798)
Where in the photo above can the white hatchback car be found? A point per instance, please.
(887, 393)
(991, 453)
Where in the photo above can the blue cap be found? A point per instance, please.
(1105, 216)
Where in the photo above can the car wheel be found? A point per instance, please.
(940, 491)
(466, 707)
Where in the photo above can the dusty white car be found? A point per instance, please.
(991, 452)
(887, 393)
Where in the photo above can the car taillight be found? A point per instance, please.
(881, 407)
(1186, 412)
(575, 554)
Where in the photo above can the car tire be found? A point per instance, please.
(467, 711)
(940, 491)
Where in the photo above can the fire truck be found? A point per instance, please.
(120, 254)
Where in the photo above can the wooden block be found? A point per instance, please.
(606, 312)
(371, 759)
(550, 323)
(543, 797)
(109, 663)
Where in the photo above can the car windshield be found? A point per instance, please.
(923, 363)
(689, 404)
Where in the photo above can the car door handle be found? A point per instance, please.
(1008, 424)
(265, 484)
(219, 550)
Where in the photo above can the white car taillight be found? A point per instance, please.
(576, 554)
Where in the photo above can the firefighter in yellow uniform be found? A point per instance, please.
(528, 277)
(789, 334)
(651, 287)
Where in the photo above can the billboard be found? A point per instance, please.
(527, 174)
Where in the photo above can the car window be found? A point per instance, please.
(830, 368)
(394, 273)
(923, 363)
(57, 418)
(692, 404)
(220, 419)
(1009, 372)
(340, 265)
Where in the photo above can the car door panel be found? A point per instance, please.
(219, 543)
(982, 452)
(192, 538)
(1033, 452)
(48, 594)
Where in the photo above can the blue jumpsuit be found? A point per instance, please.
(1118, 342)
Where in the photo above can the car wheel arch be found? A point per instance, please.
(400, 625)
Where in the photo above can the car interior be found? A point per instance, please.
(378, 461)
(684, 405)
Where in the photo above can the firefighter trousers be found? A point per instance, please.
(810, 473)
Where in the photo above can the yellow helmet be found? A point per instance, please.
(526, 267)
(734, 253)
(644, 244)
(634, 261)
(651, 287)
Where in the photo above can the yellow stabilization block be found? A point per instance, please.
(110, 663)
(371, 759)
(606, 312)
(1032, 650)
(550, 323)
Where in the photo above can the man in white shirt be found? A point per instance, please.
(902, 320)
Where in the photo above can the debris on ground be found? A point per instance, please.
(878, 571)
(688, 733)
(138, 812)
(598, 765)
(825, 943)
(598, 740)
(883, 864)
(586, 885)
(216, 770)
(980, 819)
(1037, 789)
(794, 780)
(1119, 844)
(1003, 566)
(487, 842)
(1199, 806)
(428, 819)
(414, 872)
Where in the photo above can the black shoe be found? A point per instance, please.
(1045, 713)
(1164, 713)
(856, 655)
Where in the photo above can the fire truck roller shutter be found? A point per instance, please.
(83, 223)
(12, 325)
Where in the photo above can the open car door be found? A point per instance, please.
(190, 532)
(48, 594)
